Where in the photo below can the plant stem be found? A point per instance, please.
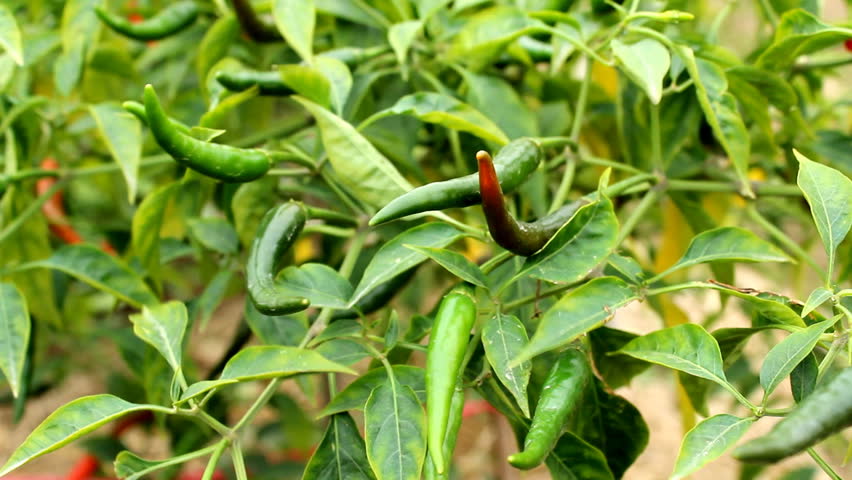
(288, 172)
(239, 462)
(216, 425)
(219, 449)
(557, 142)
(784, 240)
(648, 201)
(656, 142)
(259, 403)
(29, 211)
(770, 13)
(495, 261)
(330, 230)
(677, 287)
(724, 187)
(35, 173)
(823, 465)
(603, 162)
(565, 184)
(822, 65)
(544, 294)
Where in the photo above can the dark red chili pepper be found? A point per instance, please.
(848, 45)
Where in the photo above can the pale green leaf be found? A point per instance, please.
(646, 62)
(295, 20)
(707, 441)
(504, 337)
(395, 425)
(122, 134)
(14, 335)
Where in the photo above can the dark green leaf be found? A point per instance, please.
(274, 329)
(726, 244)
(341, 454)
(355, 395)
(455, 263)
(573, 458)
(214, 234)
(504, 337)
(784, 357)
(395, 426)
(616, 370)
(498, 100)
(343, 351)
(319, 283)
(212, 296)
(707, 441)
(803, 378)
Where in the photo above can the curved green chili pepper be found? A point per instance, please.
(255, 28)
(223, 162)
(452, 435)
(447, 344)
(515, 162)
(521, 238)
(377, 298)
(277, 231)
(138, 111)
(559, 395)
(167, 22)
(268, 82)
(822, 413)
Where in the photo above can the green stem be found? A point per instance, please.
(330, 215)
(455, 148)
(656, 141)
(649, 200)
(838, 343)
(846, 292)
(31, 210)
(330, 230)
(179, 459)
(239, 462)
(288, 172)
(618, 187)
(216, 425)
(35, 173)
(565, 184)
(219, 449)
(784, 240)
(603, 162)
(713, 33)
(770, 13)
(677, 287)
(536, 296)
(724, 187)
(495, 262)
(258, 404)
(823, 465)
(822, 65)
(557, 142)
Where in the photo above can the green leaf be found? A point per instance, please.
(401, 36)
(15, 325)
(70, 422)
(80, 28)
(578, 247)
(339, 80)
(100, 270)
(707, 441)
(360, 167)
(212, 297)
(145, 230)
(499, 101)
(122, 134)
(343, 351)
(504, 337)
(319, 283)
(295, 20)
(815, 299)
(784, 357)
(444, 110)
(163, 326)
(128, 466)
(274, 329)
(727, 244)
(250, 204)
(646, 62)
(626, 267)
(578, 312)
(339, 329)
(341, 454)
(487, 34)
(572, 457)
(455, 263)
(395, 257)
(615, 370)
(355, 12)
(263, 362)
(308, 82)
(395, 425)
(799, 33)
(803, 378)
(215, 44)
(355, 395)
(215, 234)
(829, 193)
(688, 348)
(720, 110)
(10, 35)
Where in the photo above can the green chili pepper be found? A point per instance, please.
(255, 28)
(515, 162)
(562, 388)
(447, 344)
(167, 22)
(138, 111)
(453, 426)
(269, 83)
(277, 231)
(825, 411)
(521, 238)
(223, 162)
(377, 298)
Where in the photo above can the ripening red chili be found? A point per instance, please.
(85, 468)
(848, 45)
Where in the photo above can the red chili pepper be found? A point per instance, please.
(85, 468)
(848, 45)
(477, 407)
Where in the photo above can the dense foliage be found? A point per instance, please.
(287, 152)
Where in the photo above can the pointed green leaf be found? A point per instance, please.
(215, 234)
(360, 167)
(339, 81)
(504, 337)
(401, 36)
(784, 357)
(263, 362)
(572, 457)
(100, 270)
(707, 441)
(341, 454)
(355, 395)
(427, 8)
(688, 348)
(395, 425)
(615, 370)
(10, 35)
(70, 422)
(215, 44)
(829, 193)
(275, 329)
(319, 283)
(395, 258)
(163, 326)
(295, 20)
(455, 263)
(578, 312)
(728, 244)
(129, 466)
(145, 229)
(14, 335)
(646, 62)
(308, 82)
(499, 101)
(122, 134)
(359, 12)
(578, 247)
(799, 33)
(343, 351)
(815, 299)
(803, 378)
(444, 110)
(487, 33)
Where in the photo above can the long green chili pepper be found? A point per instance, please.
(377, 298)
(167, 22)
(514, 163)
(521, 238)
(453, 426)
(268, 82)
(277, 231)
(447, 344)
(253, 26)
(223, 162)
(825, 411)
(138, 111)
(559, 395)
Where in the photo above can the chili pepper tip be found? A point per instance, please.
(482, 156)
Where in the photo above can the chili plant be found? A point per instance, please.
(338, 166)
